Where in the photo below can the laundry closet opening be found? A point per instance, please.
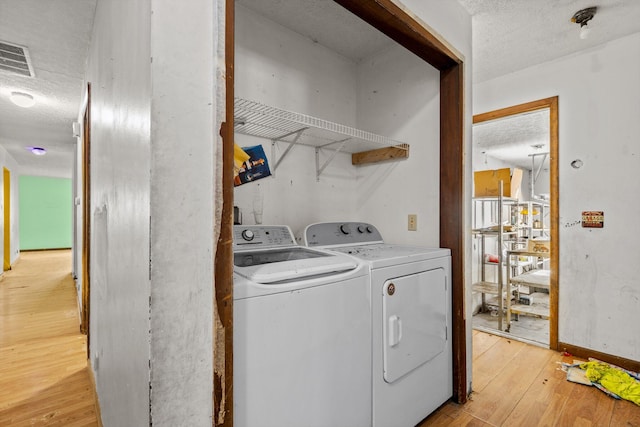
(283, 65)
(329, 67)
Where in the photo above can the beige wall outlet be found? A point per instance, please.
(413, 222)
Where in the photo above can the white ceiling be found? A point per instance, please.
(324, 22)
(56, 33)
(508, 35)
(514, 139)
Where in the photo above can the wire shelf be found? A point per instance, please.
(256, 119)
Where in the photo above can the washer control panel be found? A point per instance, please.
(262, 236)
(341, 233)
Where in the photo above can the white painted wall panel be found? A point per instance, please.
(119, 70)
(399, 96)
(183, 148)
(599, 101)
(278, 67)
(281, 68)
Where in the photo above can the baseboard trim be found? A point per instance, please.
(585, 353)
(95, 393)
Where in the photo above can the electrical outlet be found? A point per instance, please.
(413, 222)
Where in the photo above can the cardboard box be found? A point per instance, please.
(487, 183)
(543, 246)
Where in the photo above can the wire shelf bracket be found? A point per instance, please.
(256, 119)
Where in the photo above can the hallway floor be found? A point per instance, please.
(44, 379)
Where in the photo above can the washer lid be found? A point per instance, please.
(289, 263)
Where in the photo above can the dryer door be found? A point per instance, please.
(415, 321)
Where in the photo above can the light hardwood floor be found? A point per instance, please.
(44, 379)
(517, 384)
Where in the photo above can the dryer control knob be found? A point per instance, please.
(369, 229)
(248, 235)
(344, 228)
(361, 229)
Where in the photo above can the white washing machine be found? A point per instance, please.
(411, 320)
(302, 333)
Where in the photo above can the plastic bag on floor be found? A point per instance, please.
(613, 379)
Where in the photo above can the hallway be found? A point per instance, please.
(44, 378)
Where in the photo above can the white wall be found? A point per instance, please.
(183, 149)
(599, 106)
(119, 71)
(153, 151)
(486, 162)
(280, 68)
(399, 97)
(52, 172)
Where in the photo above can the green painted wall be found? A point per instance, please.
(45, 212)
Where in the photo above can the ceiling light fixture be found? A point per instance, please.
(38, 151)
(22, 99)
(582, 17)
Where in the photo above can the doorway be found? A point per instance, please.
(86, 219)
(515, 242)
(6, 183)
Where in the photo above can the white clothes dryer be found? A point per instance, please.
(412, 364)
(302, 337)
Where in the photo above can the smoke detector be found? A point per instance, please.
(582, 17)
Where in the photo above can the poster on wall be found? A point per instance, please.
(253, 167)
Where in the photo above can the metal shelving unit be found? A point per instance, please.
(537, 278)
(256, 119)
(485, 287)
(535, 222)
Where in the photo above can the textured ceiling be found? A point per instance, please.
(513, 139)
(508, 35)
(57, 34)
(324, 22)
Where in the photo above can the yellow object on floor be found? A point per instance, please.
(613, 380)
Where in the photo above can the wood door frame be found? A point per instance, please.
(223, 262)
(541, 104)
(86, 219)
(6, 185)
(396, 23)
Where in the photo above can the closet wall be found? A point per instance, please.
(399, 96)
(280, 68)
(392, 93)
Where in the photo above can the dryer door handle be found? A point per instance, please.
(395, 330)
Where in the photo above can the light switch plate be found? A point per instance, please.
(413, 222)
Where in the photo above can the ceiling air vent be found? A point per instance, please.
(15, 59)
